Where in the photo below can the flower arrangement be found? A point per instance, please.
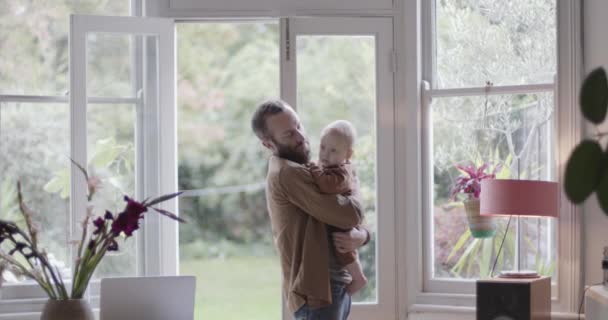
(469, 182)
(26, 257)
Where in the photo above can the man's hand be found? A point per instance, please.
(350, 240)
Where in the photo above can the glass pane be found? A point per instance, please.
(224, 70)
(336, 80)
(35, 149)
(109, 52)
(515, 131)
(505, 42)
(111, 156)
(35, 34)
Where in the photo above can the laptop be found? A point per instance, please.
(147, 298)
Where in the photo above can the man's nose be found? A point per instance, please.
(300, 136)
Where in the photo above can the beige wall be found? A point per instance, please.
(595, 46)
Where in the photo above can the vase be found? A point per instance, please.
(480, 226)
(70, 309)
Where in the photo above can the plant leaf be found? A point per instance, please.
(169, 214)
(162, 199)
(486, 256)
(602, 192)
(463, 238)
(583, 170)
(594, 96)
(82, 169)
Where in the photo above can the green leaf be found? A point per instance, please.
(162, 198)
(81, 168)
(463, 238)
(473, 254)
(602, 192)
(465, 258)
(583, 170)
(53, 186)
(594, 96)
(169, 214)
(486, 256)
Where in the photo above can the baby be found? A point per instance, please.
(335, 176)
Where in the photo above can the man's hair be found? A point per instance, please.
(343, 128)
(262, 112)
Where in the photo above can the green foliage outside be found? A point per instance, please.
(484, 43)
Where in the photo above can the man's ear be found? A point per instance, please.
(349, 154)
(268, 144)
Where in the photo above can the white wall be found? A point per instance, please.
(595, 46)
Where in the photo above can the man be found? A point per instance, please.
(313, 282)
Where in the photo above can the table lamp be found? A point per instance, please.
(517, 198)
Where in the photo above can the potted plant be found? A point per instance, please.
(587, 167)
(469, 185)
(23, 255)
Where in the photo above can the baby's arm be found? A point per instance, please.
(335, 180)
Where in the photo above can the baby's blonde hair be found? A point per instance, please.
(343, 128)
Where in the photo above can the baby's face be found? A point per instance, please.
(334, 150)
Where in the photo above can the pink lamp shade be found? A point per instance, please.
(519, 197)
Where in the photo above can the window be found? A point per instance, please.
(35, 119)
(224, 70)
(492, 67)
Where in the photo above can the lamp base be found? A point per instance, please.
(523, 274)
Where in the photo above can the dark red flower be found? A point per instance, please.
(128, 220)
(109, 215)
(113, 246)
(134, 207)
(99, 223)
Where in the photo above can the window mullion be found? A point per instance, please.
(494, 90)
(63, 99)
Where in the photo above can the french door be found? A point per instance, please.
(329, 68)
(343, 68)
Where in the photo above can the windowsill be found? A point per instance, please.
(32, 315)
(440, 312)
(19, 308)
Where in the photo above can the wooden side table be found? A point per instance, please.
(514, 299)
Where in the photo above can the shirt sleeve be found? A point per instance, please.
(337, 210)
(331, 180)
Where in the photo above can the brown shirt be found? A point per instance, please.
(299, 213)
(335, 179)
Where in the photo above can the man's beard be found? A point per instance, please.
(293, 154)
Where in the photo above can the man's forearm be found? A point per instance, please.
(365, 235)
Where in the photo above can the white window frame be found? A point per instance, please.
(425, 297)
(15, 296)
(156, 138)
(157, 252)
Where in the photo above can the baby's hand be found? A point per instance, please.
(311, 165)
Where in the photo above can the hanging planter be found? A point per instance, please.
(480, 226)
(469, 184)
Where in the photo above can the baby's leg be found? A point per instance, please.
(359, 280)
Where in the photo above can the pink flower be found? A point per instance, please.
(93, 184)
(470, 181)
